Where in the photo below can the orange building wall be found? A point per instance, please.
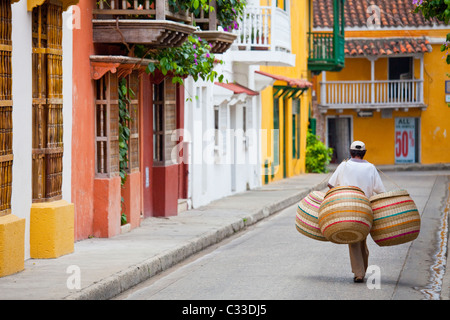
(83, 148)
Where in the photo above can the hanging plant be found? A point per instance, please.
(124, 130)
(193, 58)
(230, 13)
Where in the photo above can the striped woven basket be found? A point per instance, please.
(307, 217)
(345, 215)
(396, 218)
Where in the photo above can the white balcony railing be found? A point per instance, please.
(376, 93)
(264, 28)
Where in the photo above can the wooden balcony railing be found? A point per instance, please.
(153, 23)
(326, 51)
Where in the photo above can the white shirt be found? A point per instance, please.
(358, 173)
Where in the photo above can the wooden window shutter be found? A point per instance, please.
(107, 126)
(47, 101)
(6, 135)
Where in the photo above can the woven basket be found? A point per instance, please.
(307, 217)
(345, 215)
(396, 218)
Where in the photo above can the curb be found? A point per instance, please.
(123, 280)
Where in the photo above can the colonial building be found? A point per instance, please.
(224, 120)
(287, 100)
(392, 92)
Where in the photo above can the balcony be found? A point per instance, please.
(152, 23)
(264, 36)
(371, 94)
(208, 24)
(326, 49)
(326, 52)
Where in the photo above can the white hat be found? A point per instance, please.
(358, 145)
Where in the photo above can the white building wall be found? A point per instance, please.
(67, 42)
(21, 196)
(214, 174)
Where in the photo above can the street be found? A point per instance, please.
(272, 261)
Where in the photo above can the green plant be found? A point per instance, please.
(123, 219)
(230, 13)
(318, 156)
(124, 130)
(192, 58)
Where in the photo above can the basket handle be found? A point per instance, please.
(385, 175)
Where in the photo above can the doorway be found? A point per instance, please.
(339, 136)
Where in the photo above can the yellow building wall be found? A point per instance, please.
(378, 133)
(299, 28)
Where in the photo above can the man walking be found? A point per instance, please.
(362, 174)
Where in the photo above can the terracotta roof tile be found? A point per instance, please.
(396, 13)
(385, 46)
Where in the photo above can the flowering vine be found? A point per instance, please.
(192, 58)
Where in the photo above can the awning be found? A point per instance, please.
(293, 88)
(388, 47)
(231, 93)
(292, 82)
(237, 88)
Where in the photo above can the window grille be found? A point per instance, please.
(107, 126)
(47, 101)
(107, 123)
(6, 153)
(164, 121)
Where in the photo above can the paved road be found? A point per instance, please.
(272, 261)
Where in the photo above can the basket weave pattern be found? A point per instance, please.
(396, 218)
(345, 215)
(307, 217)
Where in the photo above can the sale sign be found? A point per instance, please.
(405, 140)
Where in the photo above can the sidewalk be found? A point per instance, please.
(107, 267)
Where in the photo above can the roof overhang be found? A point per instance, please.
(231, 93)
(386, 47)
(284, 87)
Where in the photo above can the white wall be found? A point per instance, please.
(212, 180)
(67, 42)
(22, 116)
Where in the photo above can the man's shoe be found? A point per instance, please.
(358, 279)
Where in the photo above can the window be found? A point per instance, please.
(47, 102)
(107, 126)
(164, 121)
(158, 122)
(107, 121)
(6, 154)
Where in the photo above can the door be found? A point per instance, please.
(339, 136)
